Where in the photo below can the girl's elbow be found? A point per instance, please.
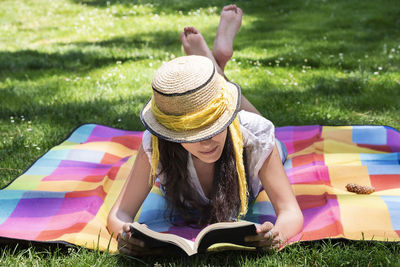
(110, 224)
(299, 219)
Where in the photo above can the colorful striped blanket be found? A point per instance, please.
(66, 194)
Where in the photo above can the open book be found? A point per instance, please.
(223, 232)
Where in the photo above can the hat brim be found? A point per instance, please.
(200, 134)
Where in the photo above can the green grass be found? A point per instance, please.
(323, 253)
(64, 63)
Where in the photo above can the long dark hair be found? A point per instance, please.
(183, 198)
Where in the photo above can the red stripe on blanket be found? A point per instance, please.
(93, 178)
(109, 159)
(112, 173)
(376, 147)
(302, 144)
(132, 142)
(307, 159)
(385, 181)
(313, 201)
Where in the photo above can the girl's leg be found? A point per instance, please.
(229, 24)
(194, 44)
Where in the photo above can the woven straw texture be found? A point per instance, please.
(186, 85)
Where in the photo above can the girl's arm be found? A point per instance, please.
(289, 216)
(135, 190)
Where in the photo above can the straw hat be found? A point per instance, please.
(186, 85)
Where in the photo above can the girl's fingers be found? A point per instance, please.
(265, 240)
(136, 242)
(271, 235)
(265, 227)
(127, 238)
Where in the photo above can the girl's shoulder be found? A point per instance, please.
(255, 123)
(146, 144)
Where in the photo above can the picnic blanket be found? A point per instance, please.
(66, 195)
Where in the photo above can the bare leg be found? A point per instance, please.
(229, 24)
(194, 44)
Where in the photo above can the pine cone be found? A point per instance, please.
(360, 189)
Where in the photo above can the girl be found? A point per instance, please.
(210, 154)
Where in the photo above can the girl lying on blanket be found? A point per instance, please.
(208, 147)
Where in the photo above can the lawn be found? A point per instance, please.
(68, 62)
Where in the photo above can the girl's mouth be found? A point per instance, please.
(209, 152)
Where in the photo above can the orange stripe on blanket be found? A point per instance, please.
(54, 234)
(333, 230)
(98, 191)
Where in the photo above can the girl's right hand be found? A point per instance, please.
(129, 245)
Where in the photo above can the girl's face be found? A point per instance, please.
(208, 151)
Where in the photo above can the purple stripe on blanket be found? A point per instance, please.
(393, 139)
(185, 232)
(306, 132)
(88, 204)
(319, 217)
(37, 207)
(102, 133)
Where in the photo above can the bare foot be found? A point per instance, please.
(229, 24)
(194, 44)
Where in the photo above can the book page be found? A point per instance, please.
(189, 242)
(156, 239)
(224, 232)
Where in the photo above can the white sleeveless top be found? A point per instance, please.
(259, 141)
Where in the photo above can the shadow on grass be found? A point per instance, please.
(295, 29)
(167, 6)
(326, 100)
(98, 111)
(82, 57)
(340, 34)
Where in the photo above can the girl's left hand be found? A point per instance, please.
(267, 237)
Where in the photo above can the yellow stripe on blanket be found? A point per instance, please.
(25, 182)
(353, 210)
(332, 146)
(111, 148)
(340, 176)
(343, 134)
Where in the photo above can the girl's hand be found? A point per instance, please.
(129, 245)
(267, 237)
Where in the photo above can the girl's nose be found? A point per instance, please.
(206, 142)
